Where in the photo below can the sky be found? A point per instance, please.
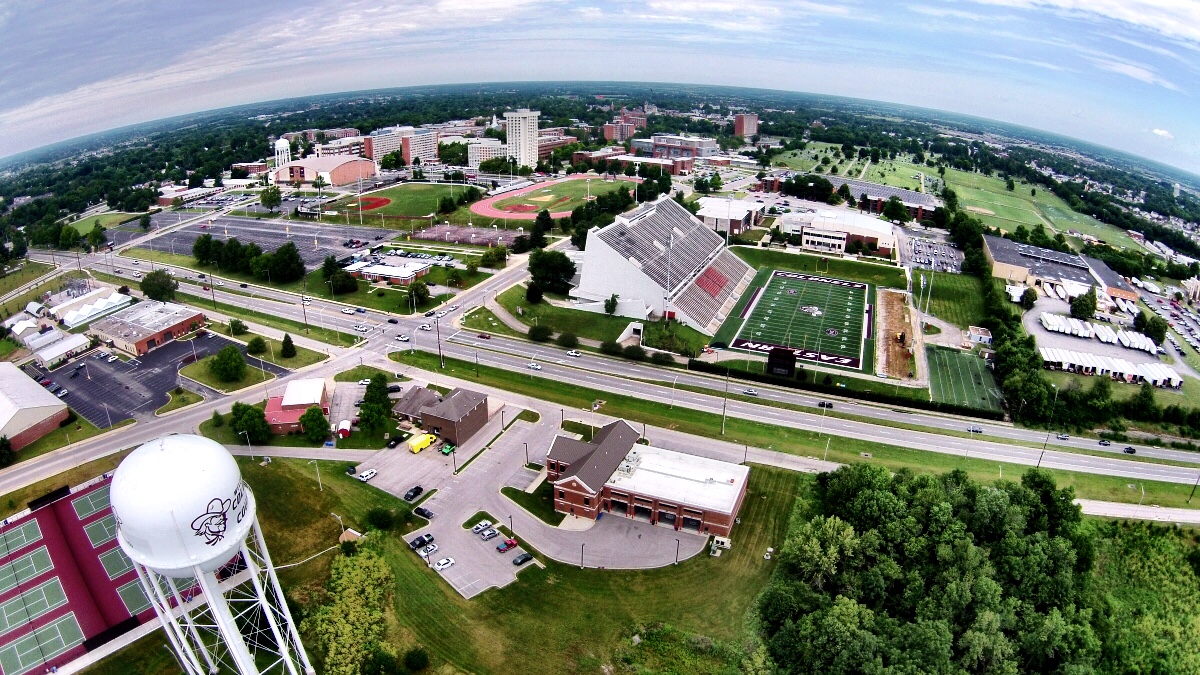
(1121, 73)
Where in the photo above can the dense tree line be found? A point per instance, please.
(282, 266)
(902, 573)
(599, 212)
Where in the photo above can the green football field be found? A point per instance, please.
(823, 318)
(961, 378)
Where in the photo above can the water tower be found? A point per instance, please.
(188, 522)
(283, 152)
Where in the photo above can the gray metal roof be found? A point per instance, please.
(1041, 262)
(660, 232)
(1106, 274)
(593, 467)
(455, 405)
(877, 190)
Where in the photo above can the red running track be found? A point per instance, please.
(484, 207)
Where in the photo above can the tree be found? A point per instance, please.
(567, 340)
(158, 285)
(541, 225)
(455, 277)
(144, 221)
(270, 197)
(256, 345)
(320, 185)
(1151, 326)
(287, 350)
(1010, 185)
(472, 267)
(218, 420)
(551, 270)
(96, 237)
(329, 267)
(237, 327)
(381, 518)
(520, 244)
(343, 282)
(7, 456)
(610, 348)
(419, 292)
(1083, 307)
(895, 210)
(540, 333)
(69, 237)
(228, 365)
(314, 425)
(416, 659)
(286, 265)
(610, 305)
(533, 294)
(1028, 299)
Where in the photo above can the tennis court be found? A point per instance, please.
(961, 378)
(823, 319)
(32, 650)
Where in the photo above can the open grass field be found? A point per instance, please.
(304, 356)
(79, 430)
(482, 319)
(178, 401)
(24, 274)
(819, 315)
(563, 196)
(957, 298)
(961, 378)
(316, 329)
(886, 276)
(590, 325)
(107, 220)
(199, 372)
(408, 200)
(898, 172)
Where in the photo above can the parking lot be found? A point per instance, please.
(931, 255)
(106, 393)
(315, 241)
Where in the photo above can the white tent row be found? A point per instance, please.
(1131, 340)
(1095, 364)
(1105, 334)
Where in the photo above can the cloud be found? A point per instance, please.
(1163, 133)
(1140, 73)
(1175, 19)
(945, 13)
(1028, 62)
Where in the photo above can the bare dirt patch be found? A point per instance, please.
(896, 354)
(980, 210)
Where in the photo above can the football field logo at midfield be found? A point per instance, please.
(831, 332)
(811, 309)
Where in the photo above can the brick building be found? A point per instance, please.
(336, 170)
(147, 325)
(745, 125)
(283, 413)
(615, 474)
(27, 410)
(617, 132)
(454, 417)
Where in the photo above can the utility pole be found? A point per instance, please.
(437, 323)
(724, 401)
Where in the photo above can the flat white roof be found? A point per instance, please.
(56, 350)
(715, 207)
(688, 480)
(304, 392)
(841, 220)
(407, 269)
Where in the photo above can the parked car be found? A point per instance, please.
(1105, 442)
(393, 388)
(112, 358)
(368, 475)
(1130, 450)
(423, 512)
(489, 533)
(522, 559)
(443, 564)
(421, 542)
(45, 382)
(506, 545)
(393, 442)
(481, 526)
(63, 393)
(74, 375)
(429, 550)
(365, 380)
(413, 493)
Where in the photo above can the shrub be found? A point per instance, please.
(379, 294)
(661, 359)
(634, 353)
(610, 347)
(533, 294)
(827, 381)
(257, 345)
(540, 333)
(567, 340)
(380, 518)
(217, 419)
(416, 659)
(288, 350)
(236, 327)
(179, 391)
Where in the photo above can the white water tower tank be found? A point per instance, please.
(181, 504)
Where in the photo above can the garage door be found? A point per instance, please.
(621, 508)
(641, 512)
(691, 524)
(667, 518)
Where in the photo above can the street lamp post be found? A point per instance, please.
(1052, 407)
(339, 519)
(673, 391)
(677, 551)
(320, 487)
(247, 435)
(581, 547)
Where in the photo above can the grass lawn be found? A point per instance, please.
(482, 319)
(225, 435)
(106, 220)
(794, 441)
(375, 296)
(364, 372)
(563, 196)
(583, 324)
(315, 330)
(440, 275)
(24, 274)
(957, 298)
(79, 430)
(199, 372)
(8, 346)
(410, 199)
(885, 276)
(179, 401)
(540, 503)
(304, 356)
(898, 173)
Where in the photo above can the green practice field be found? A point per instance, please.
(408, 200)
(961, 378)
(107, 220)
(558, 197)
(812, 313)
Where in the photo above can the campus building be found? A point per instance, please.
(146, 325)
(310, 135)
(27, 410)
(1037, 267)
(671, 146)
(592, 155)
(521, 130)
(548, 143)
(732, 216)
(835, 230)
(920, 205)
(396, 273)
(614, 474)
(480, 150)
(455, 417)
(335, 171)
(1110, 282)
(283, 413)
(411, 143)
(351, 146)
(677, 166)
(251, 168)
(67, 589)
(617, 132)
(745, 125)
(662, 260)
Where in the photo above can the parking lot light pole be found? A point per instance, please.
(454, 460)
(673, 391)
(526, 456)
(106, 412)
(510, 527)
(581, 546)
(1052, 407)
(320, 487)
(247, 435)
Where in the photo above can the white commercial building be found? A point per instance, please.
(521, 128)
(480, 150)
(27, 410)
(833, 230)
(660, 259)
(730, 215)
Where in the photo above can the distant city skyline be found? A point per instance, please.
(1119, 74)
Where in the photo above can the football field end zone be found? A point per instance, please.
(764, 346)
(733, 323)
